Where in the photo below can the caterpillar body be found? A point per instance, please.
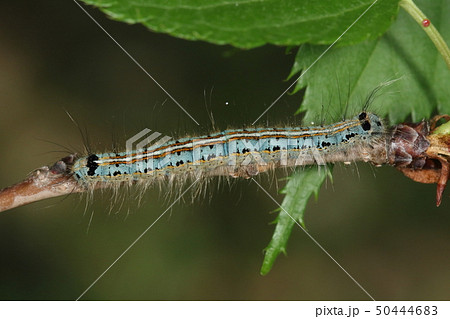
(240, 152)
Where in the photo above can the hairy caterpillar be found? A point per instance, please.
(239, 152)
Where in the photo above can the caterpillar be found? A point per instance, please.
(239, 152)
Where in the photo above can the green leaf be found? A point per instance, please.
(301, 185)
(404, 52)
(249, 24)
(443, 129)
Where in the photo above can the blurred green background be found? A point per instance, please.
(381, 227)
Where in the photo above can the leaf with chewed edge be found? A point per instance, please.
(299, 188)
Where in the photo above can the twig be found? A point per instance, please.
(41, 184)
(421, 151)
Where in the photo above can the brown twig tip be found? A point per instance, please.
(422, 155)
(42, 183)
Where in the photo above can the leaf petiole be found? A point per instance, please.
(410, 7)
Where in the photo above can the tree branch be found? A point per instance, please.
(421, 151)
(41, 184)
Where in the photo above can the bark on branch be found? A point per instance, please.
(42, 183)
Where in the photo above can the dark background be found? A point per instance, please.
(381, 227)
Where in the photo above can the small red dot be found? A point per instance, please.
(426, 23)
